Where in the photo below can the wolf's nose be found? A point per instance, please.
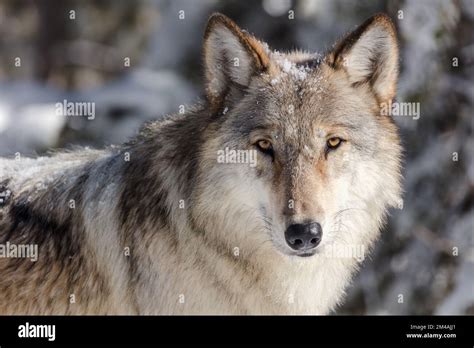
(304, 237)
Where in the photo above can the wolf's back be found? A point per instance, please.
(21, 173)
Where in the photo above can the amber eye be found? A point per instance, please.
(265, 146)
(333, 143)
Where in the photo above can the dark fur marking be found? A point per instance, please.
(144, 198)
(5, 193)
(311, 63)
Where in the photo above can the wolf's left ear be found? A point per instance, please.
(230, 56)
(370, 55)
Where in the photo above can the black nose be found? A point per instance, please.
(305, 236)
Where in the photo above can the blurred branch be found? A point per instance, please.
(433, 241)
(53, 27)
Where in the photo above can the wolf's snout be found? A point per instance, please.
(303, 237)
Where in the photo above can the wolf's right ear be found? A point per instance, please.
(231, 56)
(370, 55)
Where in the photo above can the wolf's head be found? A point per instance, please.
(298, 156)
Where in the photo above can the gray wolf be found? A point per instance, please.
(178, 220)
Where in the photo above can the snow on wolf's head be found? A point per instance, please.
(298, 158)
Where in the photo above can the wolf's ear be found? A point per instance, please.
(231, 56)
(370, 55)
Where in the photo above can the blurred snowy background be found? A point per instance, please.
(80, 50)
